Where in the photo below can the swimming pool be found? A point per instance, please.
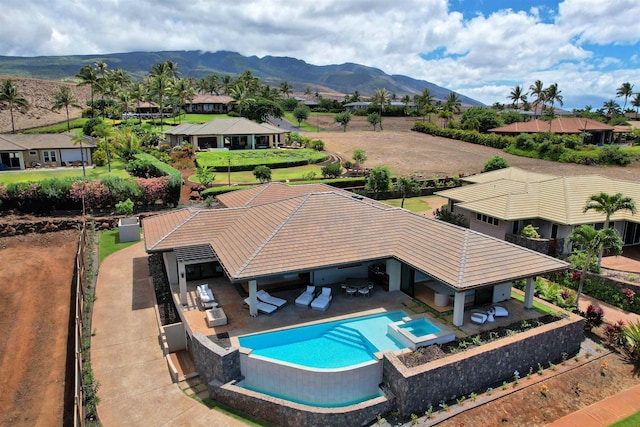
(328, 345)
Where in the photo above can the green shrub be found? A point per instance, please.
(530, 231)
(262, 173)
(90, 125)
(613, 156)
(125, 207)
(121, 188)
(332, 170)
(99, 157)
(163, 169)
(495, 163)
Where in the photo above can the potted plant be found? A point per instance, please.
(128, 227)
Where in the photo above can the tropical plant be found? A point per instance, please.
(379, 179)
(537, 90)
(592, 242)
(88, 76)
(452, 102)
(285, 89)
(552, 95)
(424, 102)
(374, 119)
(517, 95)
(332, 170)
(301, 113)
(262, 173)
(11, 96)
(608, 204)
(343, 118)
(359, 156)
(406, 186)
(495, 163)
(105, 132)
(206, 176)
(241, 96)
(631, 334)
(625, 90)
(380, 100)
(530, 231)
(182, 92)
(63, 98)
(635, 102)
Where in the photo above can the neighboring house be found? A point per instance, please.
(213, 104)
(601, 133)
(502, 202)
(308, 102)
(23, 151)
(274, 232)
(230, 133)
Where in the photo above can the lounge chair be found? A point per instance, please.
(478, 316)
(263, 307)
(306, 297)
(265, 296)
(206, 296)
(500, 311)
(321, 302)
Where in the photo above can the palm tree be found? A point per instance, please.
(593, 242)
(77, 139)
(406, 186)
(101, 82)
(160, 82)
(285, 89)
(380, 99)
(88, 76)
(106, 133)
(138, 92)
(183, 91)
(611, 108)
(626, 90)
(63, 97)
(227, 84)
(241, 96)
(537, 90)
(635, 102)
(552, 95)
(517, 95)
(11, 95)
(452, 101)
(608, 205)
(126, 142)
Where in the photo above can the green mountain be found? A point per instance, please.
(342, 78)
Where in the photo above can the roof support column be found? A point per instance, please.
(182, 280)
(529, 290)
(458, 309)
(253, 298)
(394, 270)
(253, 142)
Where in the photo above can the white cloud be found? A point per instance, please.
(481, 54)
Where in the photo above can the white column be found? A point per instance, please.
(458, 309)
(253, 298)
(394, 270)
(182, 280)
(529, 290)
(253, 142)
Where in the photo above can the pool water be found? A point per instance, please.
(420, 327)
(327, 345)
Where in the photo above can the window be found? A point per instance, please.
(488, 219)
(49, 157)
(33, 153)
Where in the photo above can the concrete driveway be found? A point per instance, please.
(135, 386)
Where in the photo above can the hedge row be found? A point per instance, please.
(163, 169)
(489, 139)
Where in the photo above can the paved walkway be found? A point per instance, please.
(135, 386)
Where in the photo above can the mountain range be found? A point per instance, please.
(342, 78)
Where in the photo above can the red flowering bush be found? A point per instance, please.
(615, 333)
(95, 193)
(153, 189)
(629, 295)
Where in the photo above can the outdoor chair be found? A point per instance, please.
(478, 316)
(265, 296)
(500, 311)
(305, 298)
(263, 307)
(351, 291)
(321, 302)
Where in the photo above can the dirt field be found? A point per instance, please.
(411, 153)
(36, 277)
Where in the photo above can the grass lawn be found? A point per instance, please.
(60, 127)
(632, 421)
(246, 177)
(540, 307)
(413, 204)
(94, 173)
(270, 157)
(110, 243)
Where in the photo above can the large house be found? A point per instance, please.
(275, 232)
(230, 133)
(213, 104)
(503, 202)
(599, 133)
(23, 151)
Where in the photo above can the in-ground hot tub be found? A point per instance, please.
(416, 332)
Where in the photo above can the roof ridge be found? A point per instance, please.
(262, 189)
(168, 233)
(463, 257)
(566, 200)
(273, 233)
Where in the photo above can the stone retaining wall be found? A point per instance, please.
(415, 389)
(216, 365)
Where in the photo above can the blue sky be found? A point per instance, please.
(480, 48)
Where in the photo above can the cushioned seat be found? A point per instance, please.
(305, 298)
(321, 302)
(262, 306)
(265, 296)
(478, 316)
(500, 311)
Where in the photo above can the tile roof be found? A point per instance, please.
(573, 125)
(226, 126)
(328, 229)
(210, 99)
(44, 141)
(557, 199)
(512, 173)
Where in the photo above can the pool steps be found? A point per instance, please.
(349, 336)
